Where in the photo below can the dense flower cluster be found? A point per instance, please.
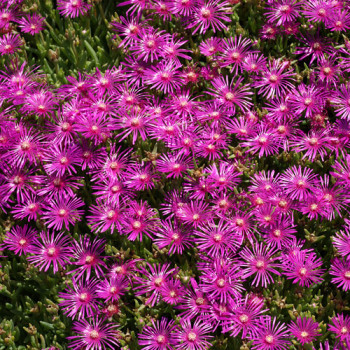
(220, 169)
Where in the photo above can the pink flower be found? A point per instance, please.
(80, 300)
(72, 8)
(259, 262)
(340, 326)
(51, 249)
(272, 335)
(305, 330)
(94, 334)
(63, 210)
(303, 268)
(193, 337)
(340, 269)
(20, 239)
(231, 94)
(10, 43)
(31, 24)
(159, 336)
(153, 281)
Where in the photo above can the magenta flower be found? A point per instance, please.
(159, 336)
(195, 302)
(88, 257)
(209, 14)
(153, 281)
(245, 318)
(298, 183)
(63, 210)
(195, 213)
(124, 269)
(313, 144)
(234, 53)
(259, 262)
(31, 24)
(20, 239)
(225, 177)
(150, 43)
(216, 239)
(339, 21)
(42, 103)
(172, 236)
(303, 268)
(80, 299)
(283, 11)
(107, 215)
(94, 126)
(140, 177)
(340, 327)
(342, 242)
(26, 147)
(317, 10)
(308, 99)
(276, 80)
(317, 47)
(72, 8)
(49, 250)
(129, 28)
(342, 101)
(231, 94)
(135, 124)
(184, 8)
(164, 76)
(193, 337)
(340, 269)
(211, 46)
(265, 141)
(54, 186)
(61, 159)
(138, 220)
(305, 330)
(279, 234)
(112, 289)
(172, 292)
(10, 43)
(31, 207)
(94, 334)
(175, 165)
(172, 52)
(254, 63)
(272, 335)
(222, 280)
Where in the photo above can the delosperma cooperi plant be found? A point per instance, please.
(174, 175)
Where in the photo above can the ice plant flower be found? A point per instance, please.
(303, 268)
(63, 211)
(341, 272)
(305, 330)
(51, 249)
(259, 262)
(80, 299)
(158, 336)
(209, 14)
(31, 24)
(340, 326)
(72, 8)
(94, 334)
(272, 335)
(20, 239)
(193, 337)
(153, 281)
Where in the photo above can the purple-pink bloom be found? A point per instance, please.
(51, 249)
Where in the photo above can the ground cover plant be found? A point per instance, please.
(174, 174)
